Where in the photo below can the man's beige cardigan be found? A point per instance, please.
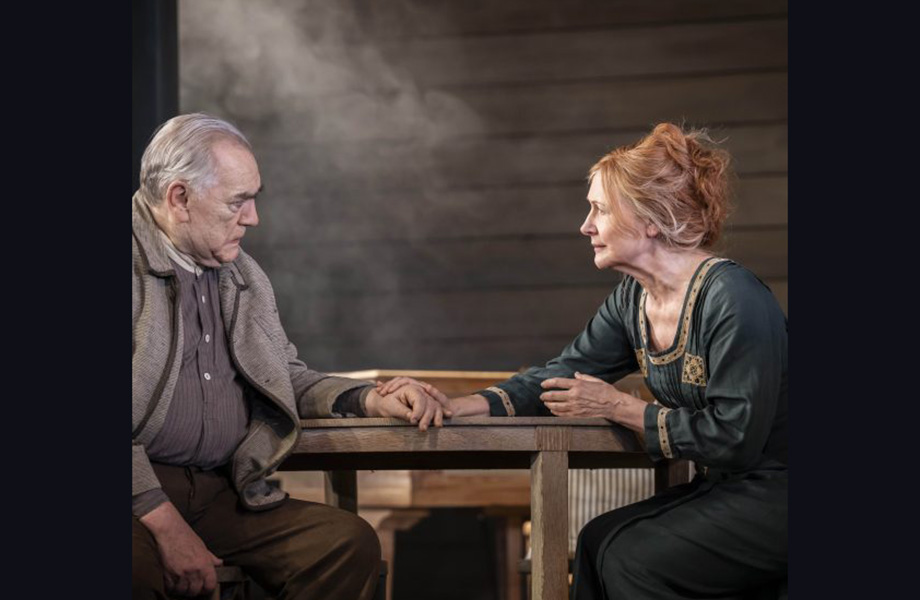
(286, 389)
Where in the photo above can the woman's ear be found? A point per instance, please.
(652, 231)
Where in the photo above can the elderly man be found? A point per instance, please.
(218, 390)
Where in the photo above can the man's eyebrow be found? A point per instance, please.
(247, 195)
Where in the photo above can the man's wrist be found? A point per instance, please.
(161, 519)
(372, 403)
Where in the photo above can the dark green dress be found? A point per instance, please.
(722, 402)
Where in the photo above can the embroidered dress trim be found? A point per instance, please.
(640, 357)
(663, 433)
(694, 370)
(685, 322)
(506, 400)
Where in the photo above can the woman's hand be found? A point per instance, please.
(587, 396)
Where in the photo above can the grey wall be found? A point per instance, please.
(424, 160)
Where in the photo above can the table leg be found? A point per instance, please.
(669, 473)
(549, 515)
(342, 490)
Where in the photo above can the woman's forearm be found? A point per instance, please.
(469, 406)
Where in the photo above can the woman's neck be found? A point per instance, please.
(664, 272)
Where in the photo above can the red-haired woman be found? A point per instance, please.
(711, 342)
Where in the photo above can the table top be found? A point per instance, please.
(463, 443)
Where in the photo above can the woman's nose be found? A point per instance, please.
(587, 228)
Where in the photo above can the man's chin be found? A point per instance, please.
(228, 255)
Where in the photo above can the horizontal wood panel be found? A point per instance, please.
(443, 317)
(469, 354)
(381, 324)
(413, 215)
(729, 46)
(544, 107)
(311, 269)
(425, 18)
(306, 170)
(513, 353)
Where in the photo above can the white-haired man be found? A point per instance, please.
(218, 390)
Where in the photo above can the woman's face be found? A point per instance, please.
(617, 238)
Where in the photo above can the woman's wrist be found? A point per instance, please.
(473, 405)
(626, 410)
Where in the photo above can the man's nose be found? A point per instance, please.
(250, 216)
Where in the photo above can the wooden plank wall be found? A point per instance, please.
(424, 160)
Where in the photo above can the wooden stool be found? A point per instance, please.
(233, 584)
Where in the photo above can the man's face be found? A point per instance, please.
(219, 215)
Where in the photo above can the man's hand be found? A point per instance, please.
(587, 396)
(397, 382)
(410, 403)
(189, 566)
(464, 406)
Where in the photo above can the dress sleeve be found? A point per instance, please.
(603, 350)
(744, 340)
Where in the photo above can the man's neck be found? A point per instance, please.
(181, 258)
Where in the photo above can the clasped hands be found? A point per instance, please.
(410, 400)
(583, 396)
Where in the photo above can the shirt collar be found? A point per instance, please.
(180, 258)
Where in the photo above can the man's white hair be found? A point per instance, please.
(181, 151)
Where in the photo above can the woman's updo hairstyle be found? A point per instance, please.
(675, 180)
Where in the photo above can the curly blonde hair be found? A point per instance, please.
(673, 179)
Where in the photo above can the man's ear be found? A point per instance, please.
(177, 200)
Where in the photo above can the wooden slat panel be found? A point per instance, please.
(449, 317)
(422, 18)
(761, 201)
(547, 159)
(416, 215)
(461, 315)
(490, 351)
(576, 55)
(436, 354)
(765, 252)
(548, 107)
(308, 269)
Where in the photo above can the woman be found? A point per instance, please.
(710, 340)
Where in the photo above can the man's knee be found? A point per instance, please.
(358, 539)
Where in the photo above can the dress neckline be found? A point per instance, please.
(676, 349)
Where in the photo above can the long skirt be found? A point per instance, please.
(715, 537)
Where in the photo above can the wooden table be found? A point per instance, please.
(548, 446)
